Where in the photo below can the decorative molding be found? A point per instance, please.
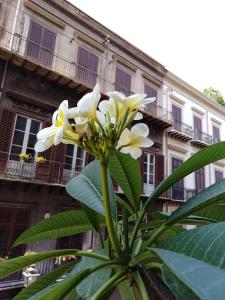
(177, 148)
(178, 100)
(152, 79)
(124, 62)
(200, 112)
(91, 42)
(37, 9)
(216, 121)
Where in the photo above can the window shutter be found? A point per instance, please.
(34, 40)
(6, 128)
(127, 83)
(200, 179)
(57, 165)
(218, 176)
(47, 47)
(159, 168)
(151, 92)
(123, 82)
(198, 128)
(176, 114)
(216, 134)
(141, 160)
(178, 187)
(93, 67)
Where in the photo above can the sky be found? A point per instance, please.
(186, 36)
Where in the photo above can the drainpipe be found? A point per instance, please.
(14, 24)
(3, 81)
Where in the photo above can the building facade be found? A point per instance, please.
(51, 51)
(197, 122)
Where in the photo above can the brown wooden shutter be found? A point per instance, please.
(216, 134)
(198, 128)
(151, 92)
(218, 176)
(47, 47)
(159, 168)
(93, 67)
(178, 187)
(200, 179)
(43, 170)
(122, 82)
(34, 40)
(7, 118)
(57, 164)
(176, 114)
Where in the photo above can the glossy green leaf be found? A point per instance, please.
(126, 291)
(15, 264)
(200, 159)
(62, 224)
(43, 282)
(126, 171)
(214, 212)
(206, 197)
(91, 284)
(177, 287)
(95, 219)
(206, 281)
(205, 243)
(87, 189)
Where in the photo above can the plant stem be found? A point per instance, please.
(109, 284)
(108, 216)
(125, 230)
(154, 236)
(141, 286)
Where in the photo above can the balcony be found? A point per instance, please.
(201, 139)
(35, 58)
(50, 172)
(181, 194)
(156, 116)
(181, 131)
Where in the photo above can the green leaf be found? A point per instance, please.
(179, 289)
(87, 189)
(91, 284)
(205, 243)
(126, 171)
(206, 281)
(214, 212)
(124, 204)
(200, 159)
(12, 265)
(94, 218)
(43, 282)
(206, 197)
(62, 224)
(126, 291)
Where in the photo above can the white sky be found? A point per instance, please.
(186, 36)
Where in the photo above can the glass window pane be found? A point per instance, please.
(21, 123)
(68, 163)
(31, 152)
(31, 141)
(34, 127)
(80, 153)
(69, 150)
(15, 151)
(18, 138)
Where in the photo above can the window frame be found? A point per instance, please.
(147, 184)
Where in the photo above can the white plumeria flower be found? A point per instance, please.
(131, 141)
(58, 132)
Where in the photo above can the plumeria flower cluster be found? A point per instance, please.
(99, 127)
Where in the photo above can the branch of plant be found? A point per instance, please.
(108, 216)
(141, 286)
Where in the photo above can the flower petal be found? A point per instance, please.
(58, 136)
(145, 142)
(124, 138)
(46, 132)
(140, 129)
(138, 116)
(74, 113)
(43, 144)
(149, 100)
(101, 117)
(116, 95)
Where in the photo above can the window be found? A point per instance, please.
(12, 223)
(24, 137)
(218, 175)
(151, 92)
(74, 161)
(41, 44)
(87, 68)
(197, 128)
(149, 173)
(178, 187)
(123, 82)
(176, 114)
(216, 134)
(199, 179)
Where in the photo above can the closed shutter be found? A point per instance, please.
(178, 187)
(43, 170)
(57, 165)
(151, 92)
(198, 128)
(6, 128)
(41, 44)
(47, 47)
(176, 114)
(216, 134)
(218, 176)
(93, 67)
(34, 40)
(159, 168)
(200, 179)
(123, 82)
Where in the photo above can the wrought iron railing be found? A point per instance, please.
(202, 136)
(157, 111)
(182, 127)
